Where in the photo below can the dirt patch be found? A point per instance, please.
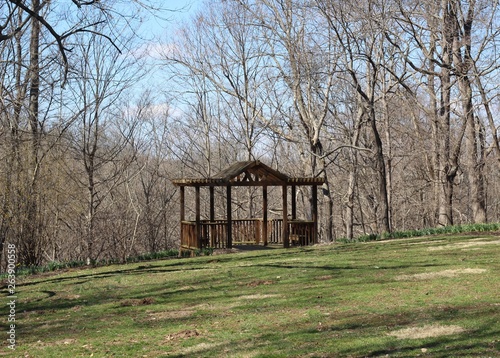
(188, 333)
(61, 342)
(225, 306)
(427, 331)
(473, 243)
(259, 283)
(324, 278)
(167, 315)
(439, 274)
(65, 341)
(138, 302)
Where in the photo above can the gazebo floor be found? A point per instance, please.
(256, 247)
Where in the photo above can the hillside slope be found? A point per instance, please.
(434, 297)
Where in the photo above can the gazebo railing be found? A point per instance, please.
(245, 231)
(188, 235)
(275, 231)
(302, 233)
(213, 234)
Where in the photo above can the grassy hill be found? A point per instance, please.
(431, 297)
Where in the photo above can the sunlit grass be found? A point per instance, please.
(343, 300)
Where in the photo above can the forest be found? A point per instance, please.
(393, 102)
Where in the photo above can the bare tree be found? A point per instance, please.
(152, 186)
(443, 34)
(220, 48)
(362, 46)
(78, 18)
(304, 64)
(27, 121)
(101, 77)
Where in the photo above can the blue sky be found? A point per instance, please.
(156, 25)
(154, 33)
(183, 9)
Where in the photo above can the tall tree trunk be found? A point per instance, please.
(445, 173)
(463, 63)
(91, 211)
(350, 195)
(378, 152)
(353, 174)
(388, 155)
(379, 162)
(446, 163)
(319, 161)
(474, 155)
(31, 232)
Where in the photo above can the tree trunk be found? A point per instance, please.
(31, 233)
(353, 174)
(463, 63)
(381, 175)
(445, 165)
(474, 155)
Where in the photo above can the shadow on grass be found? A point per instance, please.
(183, 264)
(78, 316)
(343, 339)
(349, 340)
(140, 270)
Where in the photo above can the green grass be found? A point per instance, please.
(55, 265)
(454, 229)
(340, 300)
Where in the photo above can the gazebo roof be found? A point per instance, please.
(248, 173)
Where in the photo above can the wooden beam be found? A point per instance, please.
(265, 182)
(264, 215)
(256, 183)
(229, 218)
(285, 236)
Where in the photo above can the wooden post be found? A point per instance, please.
(212, 203)
(314, 190)
(286, 238)
(197, 228)
(182, 201)
(182, 217)
(229, 218)
(294, 202)
(264, 215)
(212, 217)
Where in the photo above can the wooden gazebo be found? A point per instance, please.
(287, 230)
